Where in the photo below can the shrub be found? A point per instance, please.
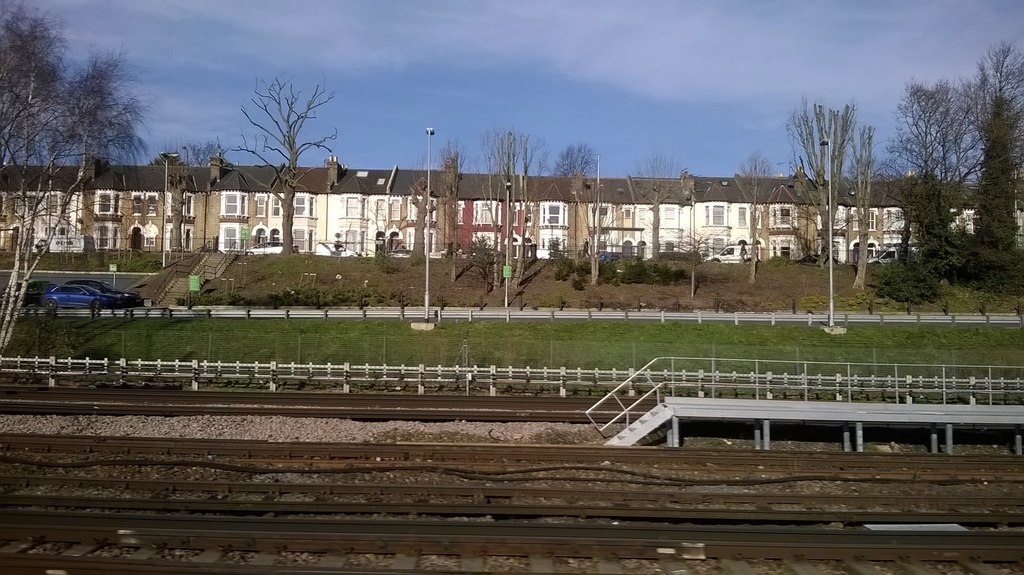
(910, 282)
(778, 262)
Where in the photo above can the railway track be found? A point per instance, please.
(306, 456)
(375, 407)
(117, 505)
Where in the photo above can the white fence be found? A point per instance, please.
(677, 376)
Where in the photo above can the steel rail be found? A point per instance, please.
(396, 535)
(394, 455)
(664, 496)
(498, 510)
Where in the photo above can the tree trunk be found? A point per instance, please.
(656, 229)
(753, 251)
(862, 259)
(288, 220)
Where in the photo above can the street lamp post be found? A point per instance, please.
(426, 237)
(693, 246)
(831, 298)
(167, 156)
(508, 235)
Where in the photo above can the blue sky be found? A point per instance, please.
(704, 82)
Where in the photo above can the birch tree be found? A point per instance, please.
(57, 119)
(863, 151)
(279, 112)
(754, 185)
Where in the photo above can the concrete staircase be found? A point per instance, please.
(647, 424)
(209, 266)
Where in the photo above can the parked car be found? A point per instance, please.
(35, 290)
(732, 255)
(127, 298)
(271, 247)
(887, 256)
(79, 296)
(609, 257)
(333, 250)
(400, 253)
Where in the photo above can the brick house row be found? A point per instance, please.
(227, 207)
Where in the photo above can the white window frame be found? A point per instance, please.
(353, 207)
(483, 214)
(719, 216)
(741, 216)
(300, 205)
(236, 199)
(261, 206)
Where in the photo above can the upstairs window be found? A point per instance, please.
(482, 213)
(552, 214)
(105, 203)
(718, 217)
(353, 208)
(300, 205)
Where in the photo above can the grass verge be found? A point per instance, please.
(572, 345)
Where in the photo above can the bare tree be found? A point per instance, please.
(199, 153)
(936, 150)
(936, 131)
(452, 168)
(863, 151)
(501, 156)
(810, 130)
(56, 120)
(279, 114)
(1001, 74)
(530, 154)
(655, 184)
(419, 198)
(754, 185)
(576, 159)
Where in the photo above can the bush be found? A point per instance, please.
(566, 268)
(778, 262)
(994, 271)
(910, 282)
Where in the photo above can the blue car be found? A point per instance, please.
(125, 298)
(79, 296)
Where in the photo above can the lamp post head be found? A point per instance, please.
(430, 131)
(167, 156)
(508, 185)
(824, 143)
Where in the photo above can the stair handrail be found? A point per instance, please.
(613, 395)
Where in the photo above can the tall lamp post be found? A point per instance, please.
(693, 246)
(508, 235)
(831, 298)
(167, 156)
(426, 237)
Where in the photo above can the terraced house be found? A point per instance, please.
(224, 207)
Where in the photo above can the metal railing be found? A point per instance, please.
(672, 376)
(808, 381)
(513, 314)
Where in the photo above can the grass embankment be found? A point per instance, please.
(584, 344)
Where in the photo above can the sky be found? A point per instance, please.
(703, 83)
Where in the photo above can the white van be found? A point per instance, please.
(732, 255)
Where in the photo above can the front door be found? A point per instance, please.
(136, 241)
